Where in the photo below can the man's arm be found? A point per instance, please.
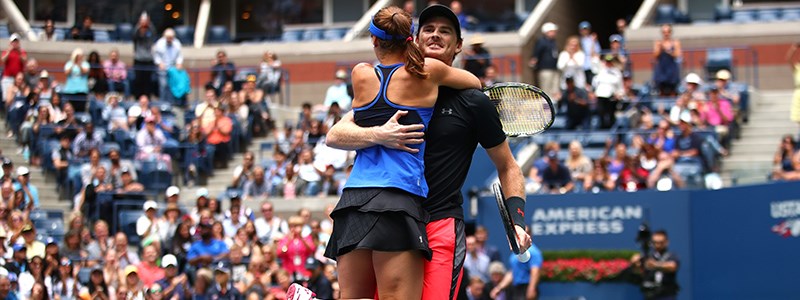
(347, 135)
(512, 181)
(531, 292)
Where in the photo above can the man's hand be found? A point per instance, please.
(530, 294)
(523, 239)
(394, 135)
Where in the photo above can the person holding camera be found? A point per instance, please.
(658, 269)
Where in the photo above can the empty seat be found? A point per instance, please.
(312, 35)
(218, 35)
(767, 15)
(4, 34)
(333, 34)
(718, 59)
(185, 34)
(723, 13)
(743, 16)
(292, 35)
(126, 222)
(790, 14)
(124, 32)
(101, 36)
(665, 14)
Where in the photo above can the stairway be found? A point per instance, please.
(751, 156)
(48, 198)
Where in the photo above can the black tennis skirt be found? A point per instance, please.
(380, 219)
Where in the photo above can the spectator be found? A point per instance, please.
(86, 200)
(74, 33)
(117, 165)
(98, 81)
(61, 157)
(49, 32)
(693, 83)
(125, 257)
(721, 83)
(150, 271)
(239, 111)
(32, 73)
(29, 190)
(590, 47)
(168, 223)
(718, 112)
(202, 283)
(295, 248)
(19, 261)
(97, 288)
(481, 238)
(522, 278)
(164, 124)
(663, 139)
(181, 242)
(244, 172)
(622, 27)
(577, 102)
(222, 70)
(784, 156)
(33, 247)
(77, 70)
(204, 112)
(147, 226)
(477, 58)
(233, 221)
(608, 90)
(667, 52)
(491, 76)
(544, 60)
(167, 54)
(173, 285)
(143, 37)
(13, 60)
(116, 72)
(338, 92)
(269, 75)
(72, 247)
(86, 33)
(270, 227)
(659, 267)
(201, 203)
(476, 263)
(218, 134)
(132, 283)
(138, 112)
(496, 273)
(570, 63)
(633, 176)
(309, 177)
(151, 142)
(115, 114)
(223, 289)
(256, 188)
(87, 140)
(580, 166)
(102, 242)
(455, 6)
(89, 169)
(688, 144)
(257, 105)
(556, 177)
(617, 49)
(476, 289)
(317, 282)
(207, 250)
(111, 268)
(29, 279)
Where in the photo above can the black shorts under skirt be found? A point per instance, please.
(380, 219)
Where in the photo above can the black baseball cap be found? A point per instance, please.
(438, 10)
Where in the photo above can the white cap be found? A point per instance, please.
(150, 204)
(172, 191)
(693, 78)
(686, 117)
(202, 192)
(169, 260)
(723, 74)
(549, 26)
(3, 272)
(13, 37)
(22, 170)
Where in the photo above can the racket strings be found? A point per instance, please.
(522, 111)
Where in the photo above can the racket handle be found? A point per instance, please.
(524, 257)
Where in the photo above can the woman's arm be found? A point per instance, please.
(451, 77)
(656, 49)
(676, 44)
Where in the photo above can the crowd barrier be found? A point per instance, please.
(734, 243)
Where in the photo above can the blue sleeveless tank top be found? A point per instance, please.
(378, 166)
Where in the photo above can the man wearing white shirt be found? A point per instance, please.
(147, 226)
(338, 92)
(166, 54)
(607, 88)
(270, 227)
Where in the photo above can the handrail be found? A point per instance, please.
(693, 60)
(363, 23)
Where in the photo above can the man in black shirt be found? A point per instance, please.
(461, 120)
(577, 102)
(544, 61)
(689, 144)
(660, 269)
(556, 177)
(318, 283)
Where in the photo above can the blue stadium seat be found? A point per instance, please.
(743, 16)
(292, 35)
(723, 13)
(333, 34)
(124, 32)
(312, 35)
(126, 222)
(4, 34)
(83, 275)
(218, 35)
(767, 15)
(37, 215)
(790, 14)
(185, 34)
(665, 14)
(101, 36)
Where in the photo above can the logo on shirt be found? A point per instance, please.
(447, 111)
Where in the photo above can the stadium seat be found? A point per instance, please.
(333, 34)
(218, 35)
(185, 34)
(718, 59)
(124, 32)
(743, 16)
(665, 14)
(37, 215)
(723, 13)
(312, 35)
(101, 36)
(767, 15)
(292, 35)
(126, 222)
(4, 34)
(790, 14)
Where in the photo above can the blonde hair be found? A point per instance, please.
(75, 53)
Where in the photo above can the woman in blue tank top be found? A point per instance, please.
(379, 225)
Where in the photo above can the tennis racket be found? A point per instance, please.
(524, 109)
(508, 224)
